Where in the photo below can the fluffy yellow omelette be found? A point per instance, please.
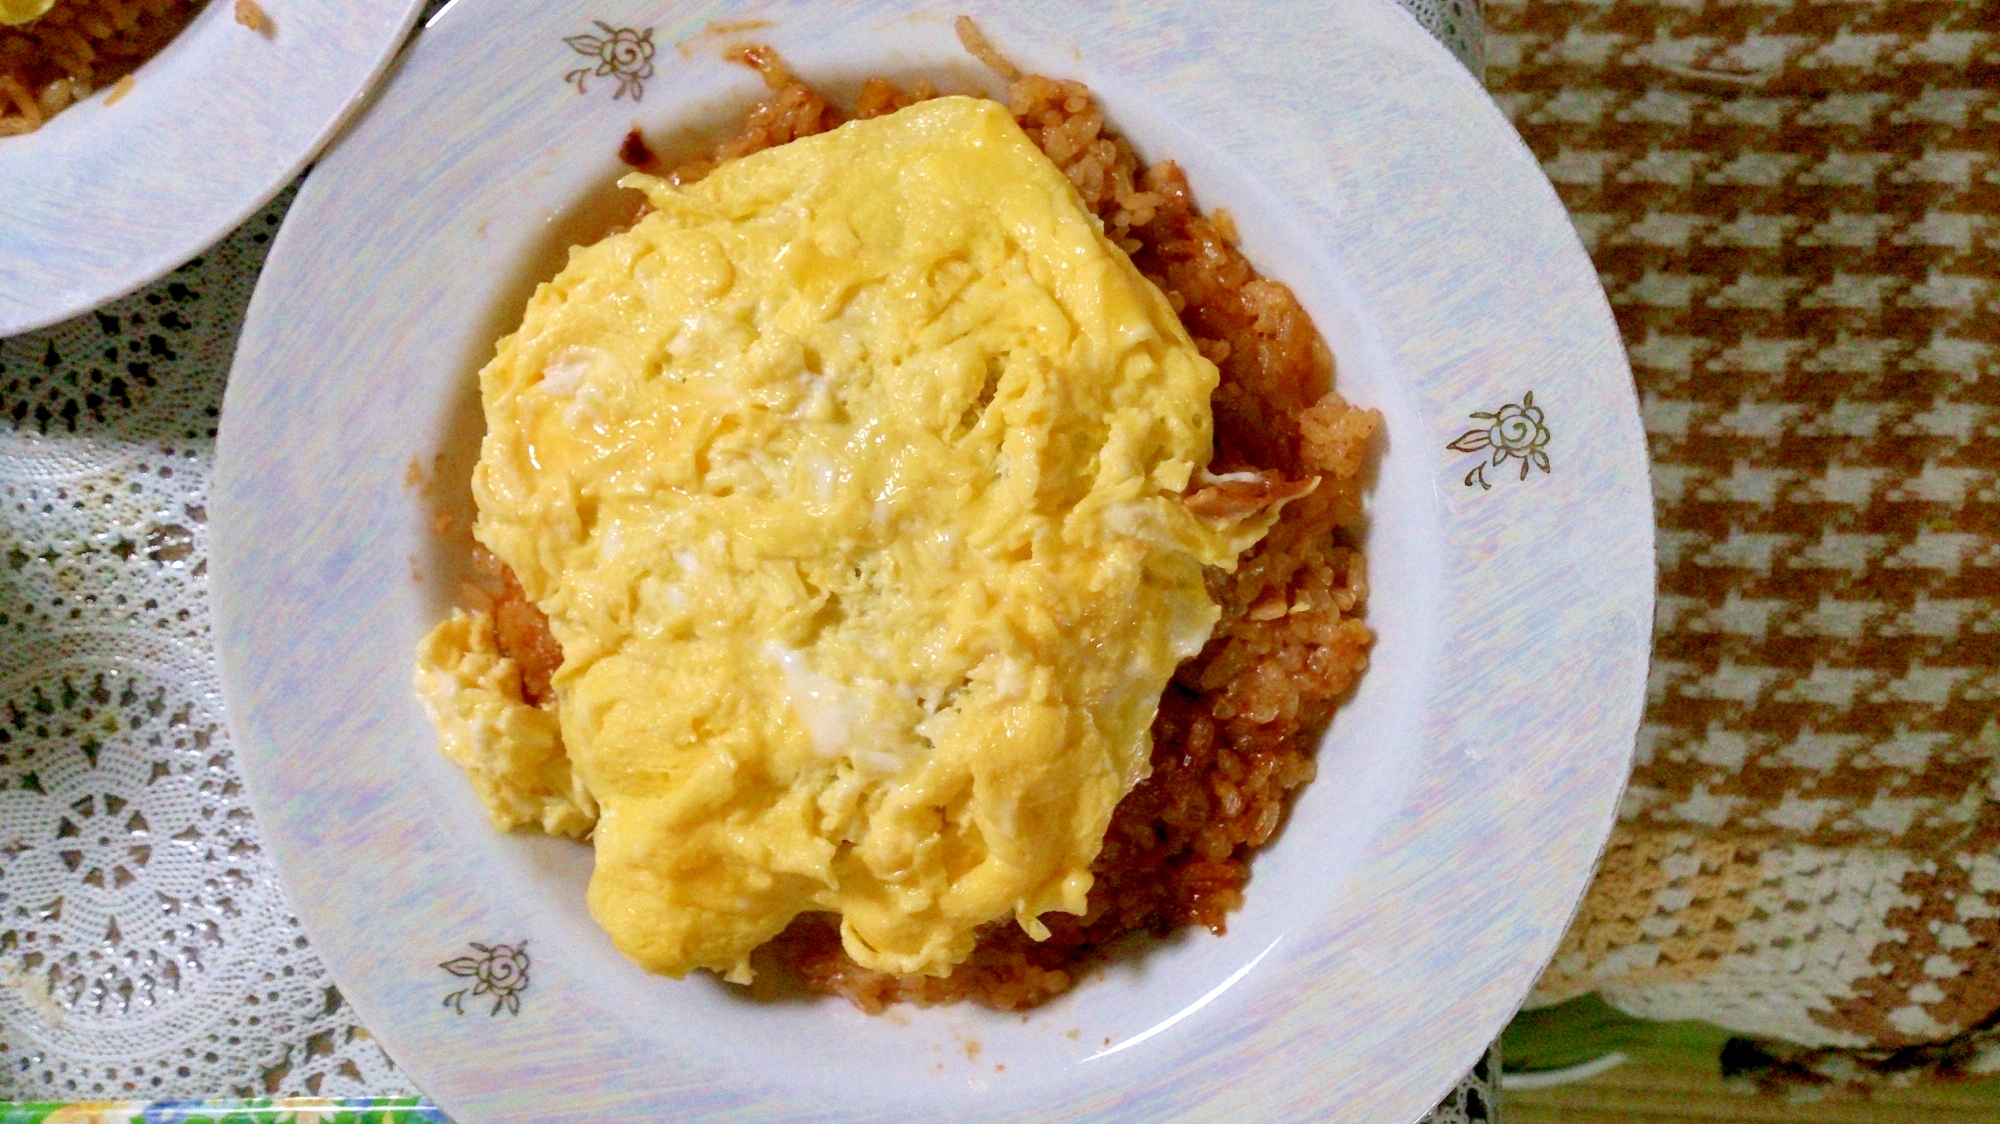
(850, 479)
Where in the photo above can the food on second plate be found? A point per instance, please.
(872, 512)
(21, 11)
(54, 53)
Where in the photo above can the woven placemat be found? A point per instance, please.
(1795, 208)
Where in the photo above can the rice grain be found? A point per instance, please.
(251, 14)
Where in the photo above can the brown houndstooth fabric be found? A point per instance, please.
(1795, 209)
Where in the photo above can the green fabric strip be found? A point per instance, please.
(290, 1110)
(1587, 1028)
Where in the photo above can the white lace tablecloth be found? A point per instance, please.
(146, 948)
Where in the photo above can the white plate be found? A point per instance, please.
(1463, 794)
(105, 198)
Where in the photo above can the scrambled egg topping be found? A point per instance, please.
(851, 480)
(511, 748)
(21, 11)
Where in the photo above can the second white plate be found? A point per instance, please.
(107, 197)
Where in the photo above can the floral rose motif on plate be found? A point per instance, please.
(500, 971)
(620, 52)
(1513, 431)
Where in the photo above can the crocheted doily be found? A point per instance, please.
(144, 943)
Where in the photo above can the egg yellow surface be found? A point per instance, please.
(21, 11)
(511, 748)
(850, 479)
